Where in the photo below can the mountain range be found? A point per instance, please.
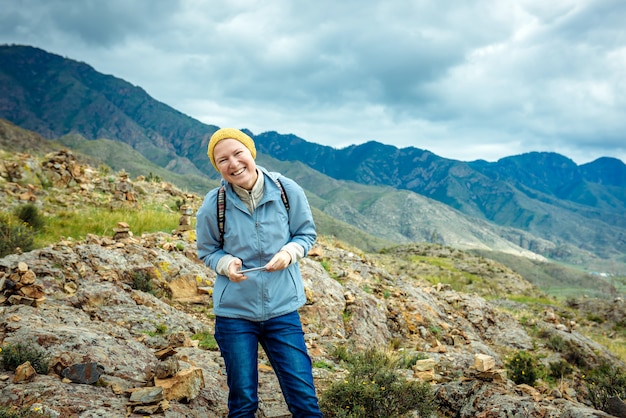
(539, 205)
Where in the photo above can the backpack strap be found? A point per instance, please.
(283, 194)
(221, 210)
(221, 205)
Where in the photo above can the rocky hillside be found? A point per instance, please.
(124, 319)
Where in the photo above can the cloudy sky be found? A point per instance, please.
(465, 79)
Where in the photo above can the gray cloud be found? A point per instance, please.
(478, 79)
(90, 22)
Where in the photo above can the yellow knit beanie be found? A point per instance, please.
(229, 133)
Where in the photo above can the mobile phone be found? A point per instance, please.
(252, 269)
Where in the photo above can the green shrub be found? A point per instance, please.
(557, 343)
(12, 355)
(373, 388)
(559, 369)
(29, 214)
(179, 203)
(341, 353)
(595, 318)
(153, 178)
(603, 383)
(574, 355)
(523, 368)
(142, 281)
(15, 235)
(13, 412)
(46, 183)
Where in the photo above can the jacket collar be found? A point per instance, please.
(251, 198)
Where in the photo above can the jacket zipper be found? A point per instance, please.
(253, 205)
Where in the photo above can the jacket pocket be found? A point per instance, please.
(287, 291)
(236, 299)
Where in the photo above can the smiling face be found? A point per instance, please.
(235, 163)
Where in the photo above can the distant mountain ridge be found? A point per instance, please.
(543, 202)
(545, 194)
(55, 96)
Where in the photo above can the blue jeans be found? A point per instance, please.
(282, 339)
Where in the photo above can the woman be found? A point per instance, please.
(258, 231)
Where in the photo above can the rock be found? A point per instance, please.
(167, 368)
(60, 361)
(165, 353)
(426, 376)
(27, 277)
(24, 373)
(33, 292)
(530, 391)
(483, 362)
(147, 395)
(424, 365)
(438, 348)
(22, 267)
(160, 407)
(616, 407)
(184, 386)
(84, 373)
(183, 286)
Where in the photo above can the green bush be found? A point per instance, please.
(557, 343)
(29, 214)
(373, 388)
(523, 368)
(13, 355)
(142, 281)
(560, 369)
(15, 235)
(574, 355)
(153, 178)
(342, 353)
(603, 383)
(593, 317)
(13, 412)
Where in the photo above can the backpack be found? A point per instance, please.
(221, 204)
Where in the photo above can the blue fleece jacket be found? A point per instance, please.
(255, 238)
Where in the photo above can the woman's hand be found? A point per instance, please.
(233, 271)
(280, 261)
